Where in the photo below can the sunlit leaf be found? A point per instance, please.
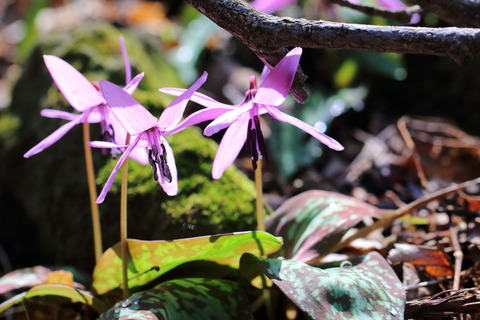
(313, 222)
(59, 291)
(150, 259)
(369, 290)
(189, 298)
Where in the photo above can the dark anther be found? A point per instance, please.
(163, 163)
(153, 162)
(249, 137)
(260, 139)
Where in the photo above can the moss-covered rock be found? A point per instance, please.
(51, 186)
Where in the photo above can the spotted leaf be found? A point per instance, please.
(189, 298)
(312, 222)
(150, 259)
(369, 290)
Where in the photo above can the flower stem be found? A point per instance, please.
(123, 225)
(259, 200)
(97, 230)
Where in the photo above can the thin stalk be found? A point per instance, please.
(123, 225)
(92, 190)
(259, 200)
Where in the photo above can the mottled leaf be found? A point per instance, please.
(59, 291)
(313, 222)
(369, 290)
(189, 298)
(22, 278)
(150, 259)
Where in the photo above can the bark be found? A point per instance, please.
(269, 36)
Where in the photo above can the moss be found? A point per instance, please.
(51, 186)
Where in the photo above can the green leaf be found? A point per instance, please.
(313, 222)
(150, 259)
(189, 298)
(59, 291)
(369, 290)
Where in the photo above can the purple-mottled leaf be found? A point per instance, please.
(188, 298)
(368, 290)
(23, 278)
(313, 222)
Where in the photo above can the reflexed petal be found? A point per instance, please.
(78, 91)
(54, 137)
(275, 87)
(57, 114)
(196, 118)
(111, 178)
(132, 85)
(170, 188)
(323, 138)
(174, 111)
(126, 61)
(226, 119)
(230, 146)
(131, 114)
(270, 6)
(197, 97)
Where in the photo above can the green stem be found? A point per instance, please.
(97, 230)
(259, 200)
(123, 225)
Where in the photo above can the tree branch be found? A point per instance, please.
(269, 36)
(461, 13)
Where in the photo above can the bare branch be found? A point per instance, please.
(462, 13)
(269, 36)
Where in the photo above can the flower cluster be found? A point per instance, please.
(130, 128)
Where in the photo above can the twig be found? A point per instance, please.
(393, 215)
(462, 13)
(458, 254)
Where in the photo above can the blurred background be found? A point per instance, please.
(356, 97)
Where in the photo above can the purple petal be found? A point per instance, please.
(132, 85)
(78, 91)
(197, 97)
(105, 145)
(230, 146)
(227, 119)
(174, 111)
(196, 118)
(111, 178)
(54, 137)
(132, 115)
(392, 4)
(126, 61)
(323, 138)
(274, 89)
(270, 6)
(57, 114)
(170, 188)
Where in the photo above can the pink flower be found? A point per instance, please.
(242, 120)
(85, 98)
(146, 131)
